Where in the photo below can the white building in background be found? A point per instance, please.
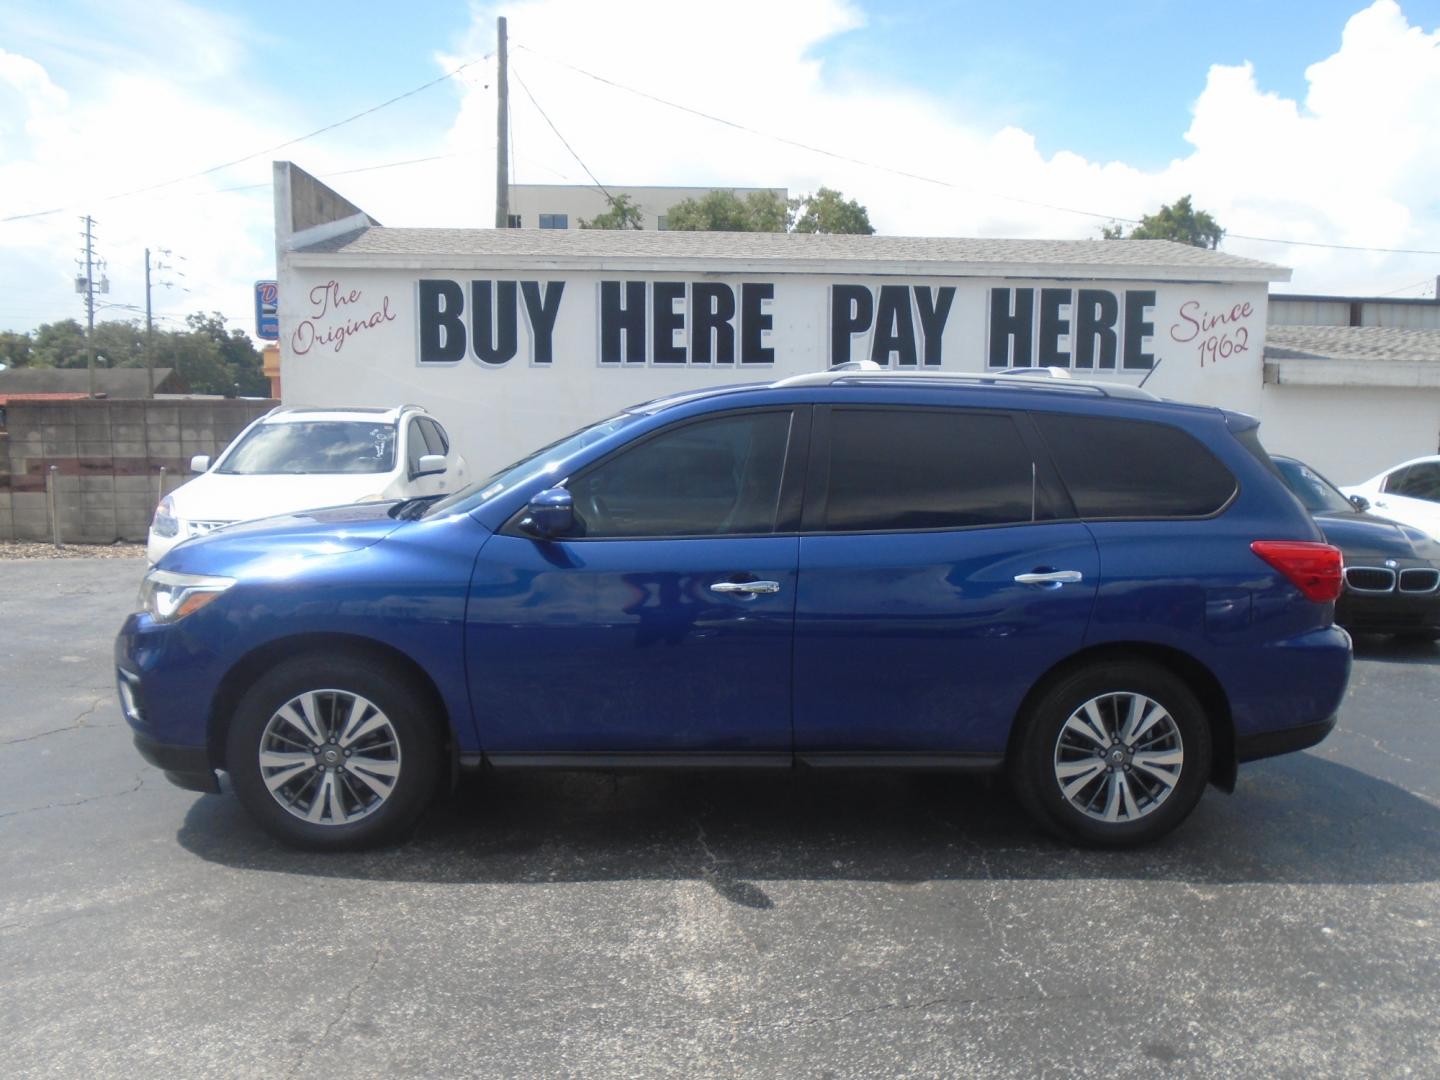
(513, 337)
(562, 206)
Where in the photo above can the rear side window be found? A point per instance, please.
(1134, 468)
(899, 469)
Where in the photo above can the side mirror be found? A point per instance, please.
(1360, 503)
(429, 465)
(200, 463)
(550, 513)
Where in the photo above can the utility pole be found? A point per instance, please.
(86, 285)
(149, 311)
(502, 131)
(90, 299)
(149, 332)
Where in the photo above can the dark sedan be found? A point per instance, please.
(1392, 571)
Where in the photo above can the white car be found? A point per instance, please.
(296, 458)
(1408, 493)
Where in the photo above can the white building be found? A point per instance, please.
(515, 336)
(564, 206)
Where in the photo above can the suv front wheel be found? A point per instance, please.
(331, 753)
(1113, 754)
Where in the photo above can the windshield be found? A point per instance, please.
(547, 457)
(322, 446)
(1318, 495)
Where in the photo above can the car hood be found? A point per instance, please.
(1373, 536)
(284, 539)
(232, 497)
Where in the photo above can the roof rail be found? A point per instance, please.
(1008, 379)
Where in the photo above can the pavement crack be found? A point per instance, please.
(344, 1012)
(78, 722)
(139, 783)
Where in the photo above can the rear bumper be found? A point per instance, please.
(1285, 741)
(186, 767)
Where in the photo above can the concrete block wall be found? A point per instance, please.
(107, 457)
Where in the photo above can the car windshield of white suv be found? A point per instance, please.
(319, 446)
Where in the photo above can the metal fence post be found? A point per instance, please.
(50, 504)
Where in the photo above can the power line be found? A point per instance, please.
(930, 179)
(268, 150)
(553, 128)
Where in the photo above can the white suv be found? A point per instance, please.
(295, 458)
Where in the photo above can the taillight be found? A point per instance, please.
(1314, 569)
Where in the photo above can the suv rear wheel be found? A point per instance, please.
(331, 753)
(1113, 754)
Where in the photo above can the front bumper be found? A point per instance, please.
(186, 767)
(1388, 613)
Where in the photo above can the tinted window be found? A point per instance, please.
(709, 478)
(898, 469)
(329, 446)
(434, 436)
(416, 448)
(1318, 495)
(1417, 482)
(1131, 468)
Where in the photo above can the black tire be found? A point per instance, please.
(406, 744)
(1039, 756)
(1418, 637)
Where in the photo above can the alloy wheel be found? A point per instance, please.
(330, 757)
(1118, 757)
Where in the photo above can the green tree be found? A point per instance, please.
(1179, 221)
(724, 211)
(828, 211)
(60, 344)
(243, 361)
(15, 349)
(623, 214)
(121, 344)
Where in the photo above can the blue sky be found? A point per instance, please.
(1310, 122)
(1112, 80)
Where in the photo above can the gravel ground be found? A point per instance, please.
(19, 549)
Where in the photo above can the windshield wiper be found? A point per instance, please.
(411, 508)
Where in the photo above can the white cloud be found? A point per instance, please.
(153, 91)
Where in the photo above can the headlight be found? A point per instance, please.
(169, 596)
(166, 523)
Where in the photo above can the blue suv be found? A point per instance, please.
(1110, 597)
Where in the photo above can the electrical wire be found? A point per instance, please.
(931, 179)
(269, 149)
(567, 146)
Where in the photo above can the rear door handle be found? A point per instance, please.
(751, 588)
(1052, 577)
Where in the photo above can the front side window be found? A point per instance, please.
(1416, 482)
(1134, 468)
(435, 437)
(416, 447)
(900, 469)
(321, 446)
(711, 478)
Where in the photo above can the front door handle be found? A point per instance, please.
(1053, 577)
(751, 588)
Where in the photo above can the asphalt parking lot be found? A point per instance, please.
(778, 926)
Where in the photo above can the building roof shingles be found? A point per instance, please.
(788, 247)
(1380, 343)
